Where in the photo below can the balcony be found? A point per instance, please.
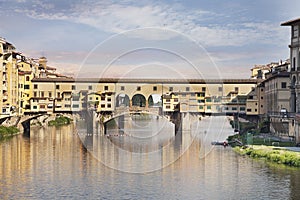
(282, 114)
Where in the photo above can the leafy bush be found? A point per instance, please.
(8, 131)
(59, 121)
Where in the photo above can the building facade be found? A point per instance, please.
(295, 72)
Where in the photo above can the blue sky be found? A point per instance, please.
(235, 35)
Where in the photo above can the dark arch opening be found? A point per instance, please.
(122, 100)
(139, 100)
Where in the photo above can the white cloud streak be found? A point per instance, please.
(114, 17)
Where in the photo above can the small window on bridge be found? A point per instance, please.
(35, 86)
(122, 88)
(187, 89)
(138, 88)
(154, 88)
(170, 89)
(106, 87)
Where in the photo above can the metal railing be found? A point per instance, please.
(281, 114)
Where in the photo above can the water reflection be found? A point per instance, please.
(53, 164)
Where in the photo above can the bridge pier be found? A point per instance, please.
(26, 128)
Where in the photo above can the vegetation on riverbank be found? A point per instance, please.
(60, 121)
(9, 131)
(272, 154)
(250, 134)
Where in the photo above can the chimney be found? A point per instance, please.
(43, 62)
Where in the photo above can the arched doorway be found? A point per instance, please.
(139, 100)
(122, 100)
(155, 100)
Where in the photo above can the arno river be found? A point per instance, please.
(54, 164)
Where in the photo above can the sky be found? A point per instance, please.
(150, 39)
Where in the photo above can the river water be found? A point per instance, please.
(55, 163)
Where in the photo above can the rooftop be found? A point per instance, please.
(291, 22)
(158, 81)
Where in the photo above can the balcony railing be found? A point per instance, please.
(282, 114)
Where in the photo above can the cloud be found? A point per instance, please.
(113, 17)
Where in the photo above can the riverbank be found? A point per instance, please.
(60, 121)
(6, 132)
(272, 154)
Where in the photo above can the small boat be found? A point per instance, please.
(225, 143)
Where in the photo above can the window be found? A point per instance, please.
(26, 87)
(187, 89)
(262, 89)
(295, 31)
(170, 89)
(236, 89)
(250, 97)
(27, 78)
(249, 110)
(208, 100)
(90, 87)
(34, 107)
(242, 108)
(138, 88)
(167, 100)
(42, 94)
(122, 88)
(73, 87)
(233, 108)
(58, 95)
(220, 89)
(201, 107)
(294, 64)
(176, 100)
(208, 107)
(35, 86)
(50, 94)
(261, 97)
(42, 106)
(255, 110)
(109, 105)
(91, 98)
(168, 107)
(97, 98)
(108, 99)
(183, 95)
(75, 106)
(203, 89)
(154, 88)
(102, 98)
(57, 87)
(106, 87)
(261, 106)
(283, 84)
(102, 105)
(34, 94)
